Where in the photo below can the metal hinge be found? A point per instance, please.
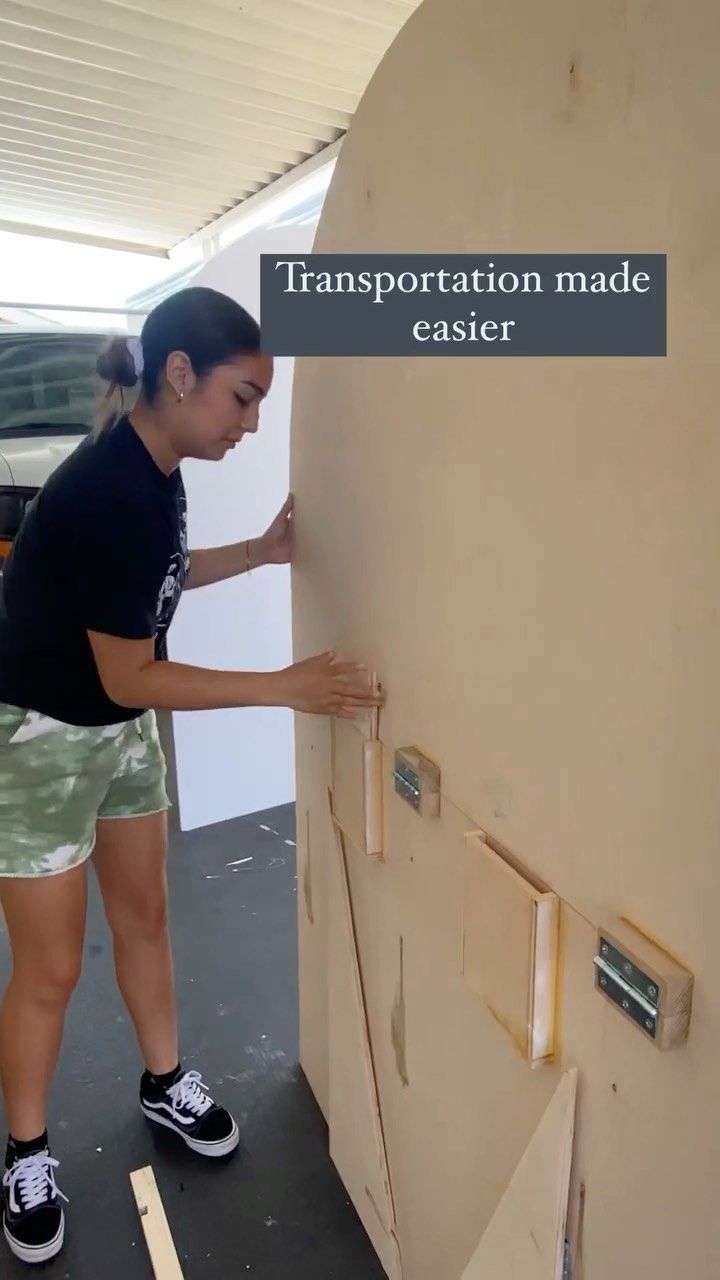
(406, 784)
(627, 986)
(417, 780)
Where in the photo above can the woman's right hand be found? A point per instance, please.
(321, 687)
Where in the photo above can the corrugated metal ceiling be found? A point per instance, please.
(140, 121)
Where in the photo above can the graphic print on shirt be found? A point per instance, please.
(173, 583)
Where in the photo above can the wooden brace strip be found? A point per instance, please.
(155, 1226)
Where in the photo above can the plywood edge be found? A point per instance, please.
(386, 1211)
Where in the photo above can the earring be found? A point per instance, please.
(181, 396)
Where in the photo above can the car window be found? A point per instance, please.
(48, 382)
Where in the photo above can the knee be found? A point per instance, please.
(140, 920)
(52, 985)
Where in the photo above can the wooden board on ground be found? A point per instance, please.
(158, 1236)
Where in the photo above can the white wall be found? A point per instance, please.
(235, 762)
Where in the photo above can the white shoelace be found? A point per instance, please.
(29, 1179)
(189, 1094)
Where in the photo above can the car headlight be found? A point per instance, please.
(13, 503)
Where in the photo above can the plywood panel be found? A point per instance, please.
(643, 1122)
(442, 1131)
(552, 641)
(526, 1237)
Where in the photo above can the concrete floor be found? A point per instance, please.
(276, 1210)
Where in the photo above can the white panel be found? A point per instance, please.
(240, 761)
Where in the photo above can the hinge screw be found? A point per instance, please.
(652, 992)
(603, 982)
(626, 1004)
(649, 1024)
(605, 948)
(628, 968)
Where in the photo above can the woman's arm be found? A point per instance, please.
(132, 678)
(216, 564)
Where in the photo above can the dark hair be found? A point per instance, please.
(208, 326)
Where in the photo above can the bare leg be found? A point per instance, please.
(46, 925)
(130, 857)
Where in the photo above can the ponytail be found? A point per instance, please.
(116, 366)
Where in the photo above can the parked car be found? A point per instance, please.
(49, 393)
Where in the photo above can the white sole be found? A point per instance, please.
(212, 1149)
(36, 1253)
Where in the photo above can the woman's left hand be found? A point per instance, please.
(278, 541)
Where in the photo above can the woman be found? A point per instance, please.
(90, 590)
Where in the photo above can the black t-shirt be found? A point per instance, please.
(103, 547)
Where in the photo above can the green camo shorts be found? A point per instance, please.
(57, 779)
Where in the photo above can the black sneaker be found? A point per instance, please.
(33, 1221)
(187, 1109)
